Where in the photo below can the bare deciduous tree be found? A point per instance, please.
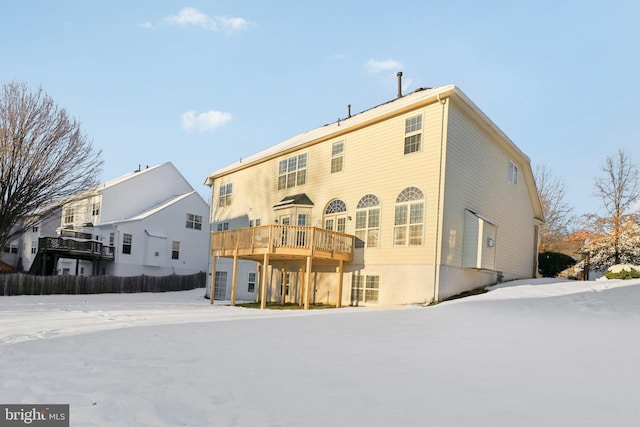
(557, 212)
(619, 189)
(44, 157)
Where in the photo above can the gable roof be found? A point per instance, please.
(329, 130)
(128, 176)
(155, 209)
(123, 178)
(420, 97)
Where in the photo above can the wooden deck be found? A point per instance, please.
(283, 242)
(76, 247)
(268, 243)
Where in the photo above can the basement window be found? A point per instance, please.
(364, 288)
(251, 284)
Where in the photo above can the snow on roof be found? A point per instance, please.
(145, 214)
(419, 95)
(94, 191)
(340, 125)
(127, 176)
(296, 199)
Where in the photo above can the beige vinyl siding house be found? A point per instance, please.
(432, 198)
(477, 181)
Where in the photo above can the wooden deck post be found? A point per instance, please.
(258, 281)
(263, 289)
(339, 299)
(284, 286)
(234, 279)
(300, 285)
(302, 242)
(213, 279)
(307, 287)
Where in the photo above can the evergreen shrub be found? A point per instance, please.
(623, 274)
(552, 263)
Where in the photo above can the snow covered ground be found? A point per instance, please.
(527, 353)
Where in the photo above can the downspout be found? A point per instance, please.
(438, 239)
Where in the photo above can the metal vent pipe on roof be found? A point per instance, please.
(348, 110)
(399, 84)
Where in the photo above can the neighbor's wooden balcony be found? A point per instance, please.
(283, 242)
(75, 247)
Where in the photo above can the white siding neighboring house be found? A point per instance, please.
(150, 221)
(413, 201)
(21, 252)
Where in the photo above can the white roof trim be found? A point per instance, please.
(284, 202)
(155, 233)
(482, 217)
(150, 211)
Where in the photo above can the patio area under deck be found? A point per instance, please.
(268, 243)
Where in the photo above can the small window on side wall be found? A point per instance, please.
(513, 173)
(127, 241)
(225, 195)
(413, 134)
(337, 156)
(194, 221)
(175, 250)
(251, 284)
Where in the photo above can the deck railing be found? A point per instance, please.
(74, 245)
(283, 239)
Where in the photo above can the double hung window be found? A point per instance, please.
(368, 222)
(194, 221)
(513, 173)
(409, 218)
(337, 156)
(224, 198)
(127, 241)
(292, 171)
(175, 250)
(413, 134)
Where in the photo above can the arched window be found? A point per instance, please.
(408, 227)
(335, 216)
(368, 222)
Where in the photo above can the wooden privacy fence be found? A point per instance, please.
(26, 284)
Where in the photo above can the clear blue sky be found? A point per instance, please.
(204, 83)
